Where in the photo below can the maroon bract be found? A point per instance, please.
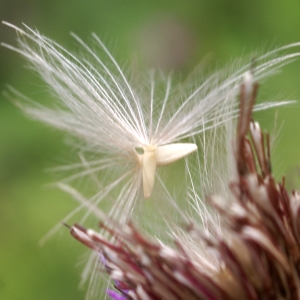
(257, 258)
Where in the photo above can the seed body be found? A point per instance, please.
(159, 156)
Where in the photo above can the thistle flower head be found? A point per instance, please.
(256, 257)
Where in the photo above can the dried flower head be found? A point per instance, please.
(127, 128)
(256, 257)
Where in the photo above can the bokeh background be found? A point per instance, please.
(172, 35)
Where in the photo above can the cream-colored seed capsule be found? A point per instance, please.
(149, 168)
(169, 153)
(159, 156)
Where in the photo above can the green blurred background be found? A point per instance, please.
(174, 35)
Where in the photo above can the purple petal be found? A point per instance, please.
(115, 296)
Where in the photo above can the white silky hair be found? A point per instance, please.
(118, 122)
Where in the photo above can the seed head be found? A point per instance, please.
(120, 126)
(256, 256)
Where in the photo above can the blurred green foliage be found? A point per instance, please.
(134, 30)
